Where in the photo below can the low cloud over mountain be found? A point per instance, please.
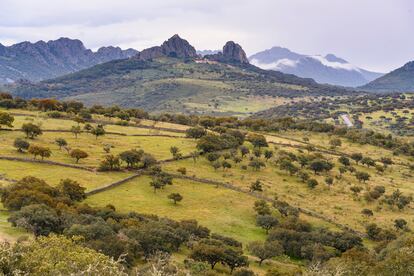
(324, 69)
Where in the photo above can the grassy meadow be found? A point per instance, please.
(224, 211)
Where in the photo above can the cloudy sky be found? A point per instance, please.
(373, 34)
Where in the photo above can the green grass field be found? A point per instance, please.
(224, 211)
(53, 174)
(155, 145)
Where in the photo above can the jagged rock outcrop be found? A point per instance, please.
(44, 60)
(232, 53)
(174, 47)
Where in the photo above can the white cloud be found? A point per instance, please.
(278, 65)
(336, 65)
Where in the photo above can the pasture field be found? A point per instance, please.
(15, 170)
(225, 205)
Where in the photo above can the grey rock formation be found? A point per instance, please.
(44, 60)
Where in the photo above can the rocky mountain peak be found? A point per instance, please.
(235, 52)
(232, 53)
(178, 47)
(173, 47)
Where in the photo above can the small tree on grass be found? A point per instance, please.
(335, 143)
(368, 161)
(367, 212)
(212, 156)
(76, 130)
(357, 157)
(265, 250)
(342, 170)
(216, 165)
(261, 207)
(176, 197)
(373, 231)
(356, 189)
(256, 186)
(107, 148)
(148, 160)
(43, 152)
(31, 130)
(131, 157)
(256, 164)
(21, 145)
(320, 165)
(329, 181)
(6, 119)
(312, 183)
(257, 140)
(72, 189)
(79, 120)
(88, 127)
(344, 161)
(195, 132)
(386, 161)
(303, 176)
(362, 176)
(78, 154)
(268, 154)
(225, 165)
(237, 159)
(98, 131)
(266, 222)
(156, 184)
(61, 142)
(288, 166)
(110, 163)
(257, 152)
(244, 151)
(175, 151)
(400, 224)
(182, 170)
(194, 156)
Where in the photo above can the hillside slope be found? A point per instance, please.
(324, 69)
(399, 80)
(45, 60)
(171, 77)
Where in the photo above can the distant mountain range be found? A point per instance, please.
(399, 80)
(173, 77)
(45, 60)
(323, 69)
(207, 52)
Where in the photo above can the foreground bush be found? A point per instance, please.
(55, 255)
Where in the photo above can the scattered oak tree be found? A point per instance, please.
(78, 154)
(21, 145)
(31, 130)
(176, 197)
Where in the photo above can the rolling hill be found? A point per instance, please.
(172, 77)
(323, 69)
(399, 80)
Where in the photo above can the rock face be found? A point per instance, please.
(174, 47)
(232, 53)
(44, 60)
